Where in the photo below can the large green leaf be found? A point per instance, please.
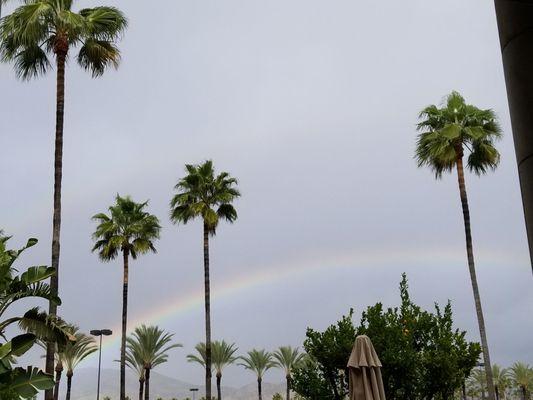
(27, 382)
(17, 346)
(22, 343)
(37, 274)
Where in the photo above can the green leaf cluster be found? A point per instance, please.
(423, 356)
(20, 382)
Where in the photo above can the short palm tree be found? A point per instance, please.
(522, 378)
(73, 353)
(151, 345)
(258, 361)
(445, 133)
(203, 194)
(478, 382)
(501, 381)
(135, 362)
(131, 231)
(287, 359)
(41, 30)
(223, 355)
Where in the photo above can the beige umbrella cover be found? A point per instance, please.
(365, 371)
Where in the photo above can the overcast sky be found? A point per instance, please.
(312, 105)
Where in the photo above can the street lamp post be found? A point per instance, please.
(100, 333)
(193, 390)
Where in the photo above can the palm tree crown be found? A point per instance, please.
(151, 344)
(444, 132)
(128, 228)
(73, 353)
(522, 377)
(223, 354)
(258, 361)
(201, 193)
(40, 28)
(287, 358)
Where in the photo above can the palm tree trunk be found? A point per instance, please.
(259, 391)
(463, 390)
(524, 392)
(207, 315)
(124, 327)
(147, 384)
(69, 385)
(59, 370)
(219, 389)
(472, 269)
(56, 222)
(497, 392)
(288, 377)
(141, 388)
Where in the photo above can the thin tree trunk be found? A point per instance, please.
(334, 387)
(207, 315)
(219, 389)
(524, 393)
(59, 370)
(288, 377)
(141, 388)
(472, 269)
(147, 384)
(259, 389)
(69, 385)
(497, 392)
(463, 387)
(124, 327)
(56, 222)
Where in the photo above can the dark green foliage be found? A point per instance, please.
(18, 382)
(422, 355)
(329, 349)
(309, 382)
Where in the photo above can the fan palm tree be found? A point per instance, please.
(444, 134)
(73, 353)
(203, 194)
(151, 345)
(258, 361)
(129, 230)
(223, 355)
(41, 30)
(287, 358)
(501, 381)
(522, 378)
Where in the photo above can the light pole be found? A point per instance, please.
(193, 390)
(100, 333)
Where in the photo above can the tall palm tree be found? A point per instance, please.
(287, 358)
(41, 30)
(135, 362)
(202, 193)
(501, 381)
(522, 378)
(223, 355)
(151, 345)
(129, 230)
(73, 353)
(444, 134)
(258, 361)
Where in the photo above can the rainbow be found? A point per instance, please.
(316, 264)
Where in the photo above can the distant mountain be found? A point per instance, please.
(84, 387)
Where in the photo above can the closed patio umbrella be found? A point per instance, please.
(365, 371)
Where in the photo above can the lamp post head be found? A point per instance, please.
(100, 332)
